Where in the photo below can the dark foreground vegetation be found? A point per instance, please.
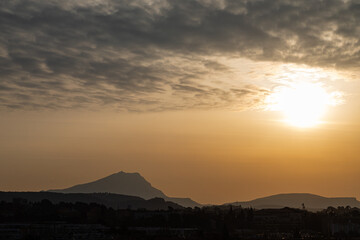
(21, 219)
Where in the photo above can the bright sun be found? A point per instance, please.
(303, 104)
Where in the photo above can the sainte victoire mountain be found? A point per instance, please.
(132, 184)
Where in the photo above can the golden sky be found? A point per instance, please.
(211, 156)
(216, 100)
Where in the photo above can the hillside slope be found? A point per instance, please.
(295, 200)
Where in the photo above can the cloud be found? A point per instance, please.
(157, 55)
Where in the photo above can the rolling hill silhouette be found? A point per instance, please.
(115, 201)
(295, 200)
(132, 184)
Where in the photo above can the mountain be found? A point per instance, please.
(115, 201)
(295, 200)
(132, 184)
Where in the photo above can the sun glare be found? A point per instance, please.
(302, 104)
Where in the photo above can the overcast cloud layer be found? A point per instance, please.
(142, 55)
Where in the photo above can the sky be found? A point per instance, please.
(217, 100)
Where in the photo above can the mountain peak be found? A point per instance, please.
(132, 184)
(127, 174)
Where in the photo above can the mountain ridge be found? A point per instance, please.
(296, 200)
(115, 201)
(131, 184)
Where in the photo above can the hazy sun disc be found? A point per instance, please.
(303, 104)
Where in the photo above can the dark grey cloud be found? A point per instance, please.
(141, 55)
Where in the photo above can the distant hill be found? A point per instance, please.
(132, 184)
(295, 200)
(115, 201)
